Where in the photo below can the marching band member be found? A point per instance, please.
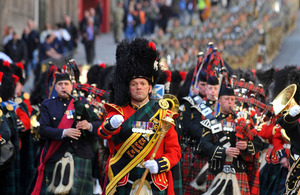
(133, 122)
(229, 145)
(198, 110)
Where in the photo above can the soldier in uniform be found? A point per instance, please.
(229, 146)
(134, 121)
(10, 177)
(289, 121)
(198, 110)
(65, 139)
(273, 174)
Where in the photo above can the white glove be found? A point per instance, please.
(152, 166)
(242, 114)
(294, 111)
(116, 121)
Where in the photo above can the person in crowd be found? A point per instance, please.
(135, 74)
(67, 136)
(130, 23)
(72, 30)
(63, 38)
(140, 19)
(16, 49)
(151, 12)
(83, 23)
(47, 31)
(88, 39)
(8, 35)
(33, 43)
(96, 20)
(118, 17)
(99, 13)
(165, 14)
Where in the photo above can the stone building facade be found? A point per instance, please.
(15, 13)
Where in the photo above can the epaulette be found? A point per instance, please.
(113, 107)
(189, 100)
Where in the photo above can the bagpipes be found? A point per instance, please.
(247, 85)
(211, 63)
(94, 96)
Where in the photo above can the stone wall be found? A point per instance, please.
(15, 13)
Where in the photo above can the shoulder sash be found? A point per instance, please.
(137, 146)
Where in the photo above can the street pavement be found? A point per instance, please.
(289, 53)
(105, 49)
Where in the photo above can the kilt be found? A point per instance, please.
(177, 179)
(27, 160)
(191, 166)
(253, 174)
(83, 183)
(242, 179)
(272, 179)
(10, 177)
(135, 174)
(243, 183)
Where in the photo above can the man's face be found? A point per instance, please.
(139, 89)
(212, 92)
(18, 89)
(202, 87)
(226, 102)
(63, 86)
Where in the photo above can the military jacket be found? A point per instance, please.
(52, 111)
(214, 144)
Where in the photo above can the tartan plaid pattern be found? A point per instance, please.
(177, 179)
(82, 176)
(253, 174)
(10, 178)
(243, 182)
(242, 179)
(191, 166)
(272, 179)
(7, 181)
(134, 174)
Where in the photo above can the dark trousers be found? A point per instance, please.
(90, 51)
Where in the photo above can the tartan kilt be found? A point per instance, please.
(272, 179)
(243, 183)
(83, 183)
(191, 166)
(10, 177)
(242, 179)
(7, 181)
(135, 174)
(177, 179)
(253, 174)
